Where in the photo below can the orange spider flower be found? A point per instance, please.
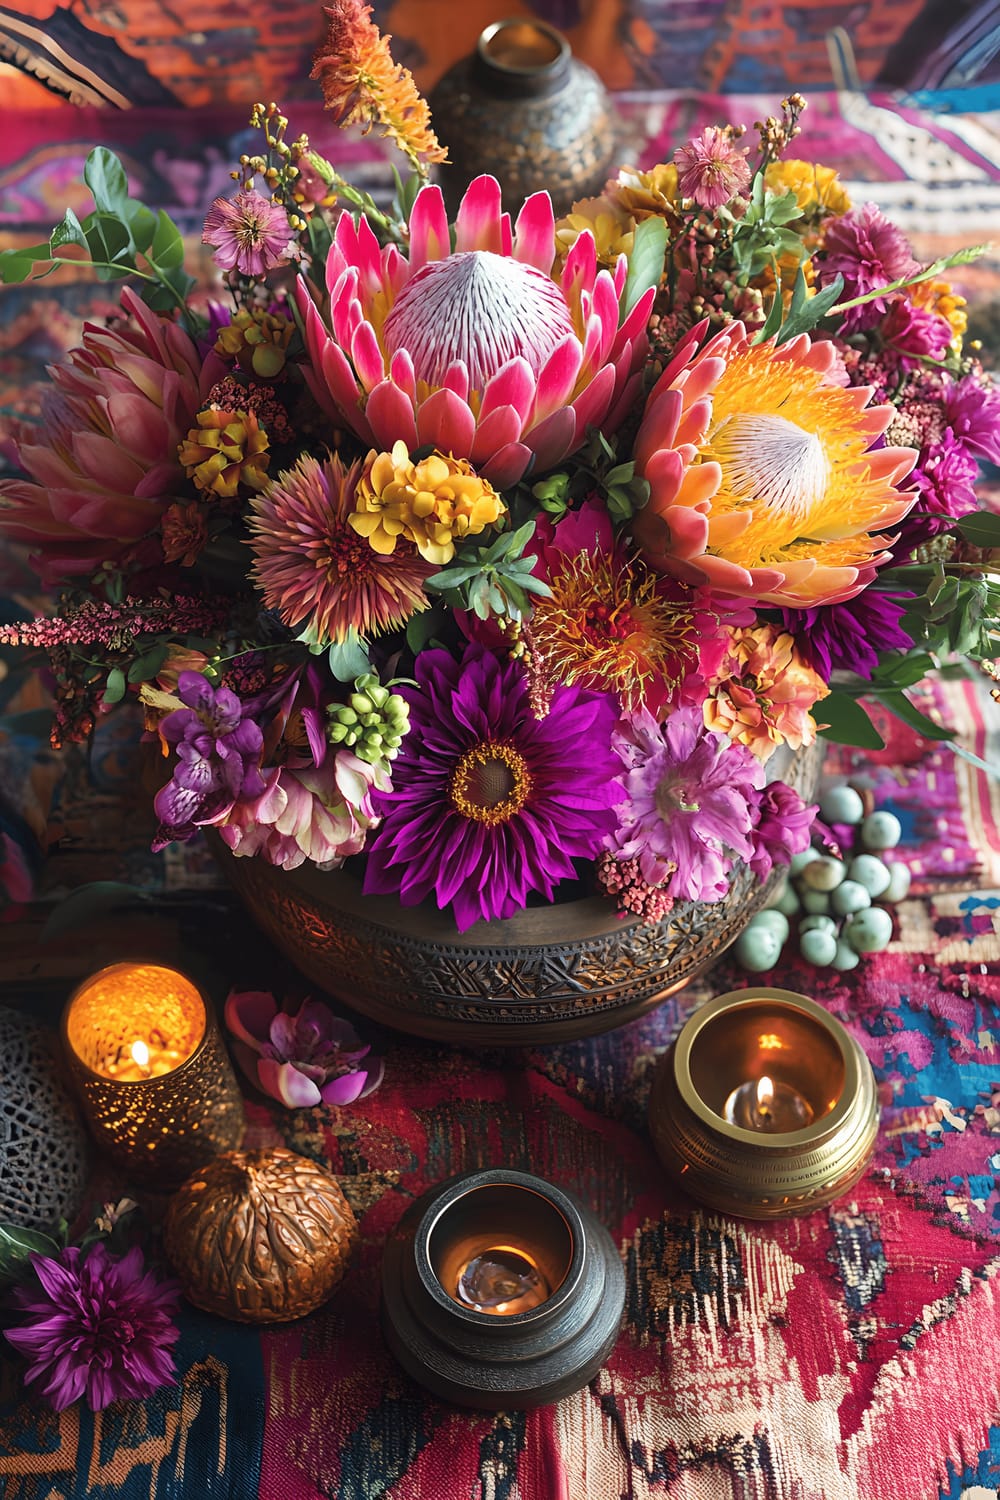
(362, 85)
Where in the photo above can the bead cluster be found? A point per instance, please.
(839, 905)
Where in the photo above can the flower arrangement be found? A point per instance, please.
(496, 555)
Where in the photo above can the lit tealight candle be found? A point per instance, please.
(156, 1084)
(502, 1279)
(767, 1104)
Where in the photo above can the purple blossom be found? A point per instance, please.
(914, 333)
(303, 1058)
(783, 827)
(972, 406)
(692, 797)
(869, 252)
(850, 637)
(96, 1326)
(945, 476)
(218, 751)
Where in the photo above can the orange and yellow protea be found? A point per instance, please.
(763, 482)
(764, 692)
(432, 503)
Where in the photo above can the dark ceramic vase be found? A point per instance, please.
(501, 1359)
(524, 109)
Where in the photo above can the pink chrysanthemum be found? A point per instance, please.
(711, 168)
(250, 234)
(314, 568)
(479, 351)
(96, 1326)
(691, 800)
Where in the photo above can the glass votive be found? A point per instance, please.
(155, 1081)
(765, 1106)
(500, 1290)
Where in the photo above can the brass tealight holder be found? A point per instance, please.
(155, 1081)
(501, 1291)
(765, 1106)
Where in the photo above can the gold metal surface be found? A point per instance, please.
(761, 1173)
(154, 1078)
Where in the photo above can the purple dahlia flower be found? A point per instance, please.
(692, 797)
(869, 252)
(849, 637)
(972, 406)
(488, 802)
(218, 751)
(302, 1059)
(96, 1326)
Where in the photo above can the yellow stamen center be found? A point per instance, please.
(491, 783)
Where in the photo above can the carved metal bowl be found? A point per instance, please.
(548, 974)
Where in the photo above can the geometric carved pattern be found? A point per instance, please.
(43, 1149)
(409, 968)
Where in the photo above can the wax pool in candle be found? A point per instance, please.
(501, 1279)
(132, 1022)
(768, 1105)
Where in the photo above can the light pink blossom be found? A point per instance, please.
(249, 232)
(712, 169)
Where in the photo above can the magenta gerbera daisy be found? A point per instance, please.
(314, 568)
(488, 802)
(96, 1326)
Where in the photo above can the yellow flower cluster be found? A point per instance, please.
(225, 450)
(432, 504)
(257, 340)
(818, 190)
(938, 297)
(611, 218)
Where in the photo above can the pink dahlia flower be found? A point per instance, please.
(316, 812)
(764, 482)
(303, 1058)
(96, 1326)
(869, 251)
(104, 466)
(479, 351)
(250, 234)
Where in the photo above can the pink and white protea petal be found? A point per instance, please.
(497, 431)
(367, 357)
(553, 438)
(507, 465)
(478, 221)
(446, 423)
(513, 385)
(389, 409)
(592, 405)
(556, 380)
(456, 379)
(429, 237)
(534, 233)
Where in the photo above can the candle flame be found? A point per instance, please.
(765, 1093)
(140, 1054)
(770, 1042)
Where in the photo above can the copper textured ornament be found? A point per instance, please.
(259, 1236)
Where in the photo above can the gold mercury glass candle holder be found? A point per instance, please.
(156, 1084)
(764, 1106)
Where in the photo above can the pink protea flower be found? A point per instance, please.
(250, 234)
(479, 352)
(711, 168)
(692, 797)
(96, 1326)
(103, 467)
(763, 479)
(304, 1057)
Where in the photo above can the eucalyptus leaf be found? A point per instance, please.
(982, 528)
(422, 628)
(105, 176)
(349, 658)
(115, 689)
(645, 264)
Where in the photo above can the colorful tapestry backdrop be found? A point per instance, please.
(847, 1355)
(217, 51)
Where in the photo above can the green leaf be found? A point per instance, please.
(900, 705)
(982, 528)
(848, 723)
(990, 767)
(105, 176)
(90, 903)
(422, 628)
(453, 578)
(115, 690)
(69, 232)
(142, 223)
(810, 310)
(166, 251)
(645, 264)
(905, 671)
(16, 265)
(146, 666)
(349, 658)
(773, 320)
(16, 1244)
